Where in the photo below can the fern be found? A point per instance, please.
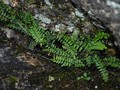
(100, 36)
(96, 46)
(75, 50)
(7, 13)
(64, 57)
(101, 67)
(97, 42)
(112, 62)
(32, 44)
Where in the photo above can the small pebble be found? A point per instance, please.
(96, 87)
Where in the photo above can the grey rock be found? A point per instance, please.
(59, 16)
(43, 18)
(104, 13)
(9, 32)
(6, 1)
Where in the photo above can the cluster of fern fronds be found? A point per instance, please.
(74, 50)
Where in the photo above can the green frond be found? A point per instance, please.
(75, 50)
(18, 26)
(36, 33)
(89, 60)
(100, 35)
(101, 67)
(32, 44)
(112, 62)
(63, 57)
(96, 46)
(7, 14)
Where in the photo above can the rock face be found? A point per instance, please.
(60, 15)
(104, 13)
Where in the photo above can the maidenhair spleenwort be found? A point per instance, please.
(75, 50)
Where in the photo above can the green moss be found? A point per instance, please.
(13, 80)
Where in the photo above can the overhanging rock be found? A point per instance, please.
(104, 13)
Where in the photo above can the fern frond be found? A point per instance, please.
(32, 44)
(74, 43)
(63, 57)
(100, 35)
(38, 34)
(101, 67)
(7, 14)
(96, 46)
(112, 62)
(18, 26)
(76, 50)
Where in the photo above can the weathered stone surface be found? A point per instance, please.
(14, 63)
(60, 15)
(104, 13)
(16, 66)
